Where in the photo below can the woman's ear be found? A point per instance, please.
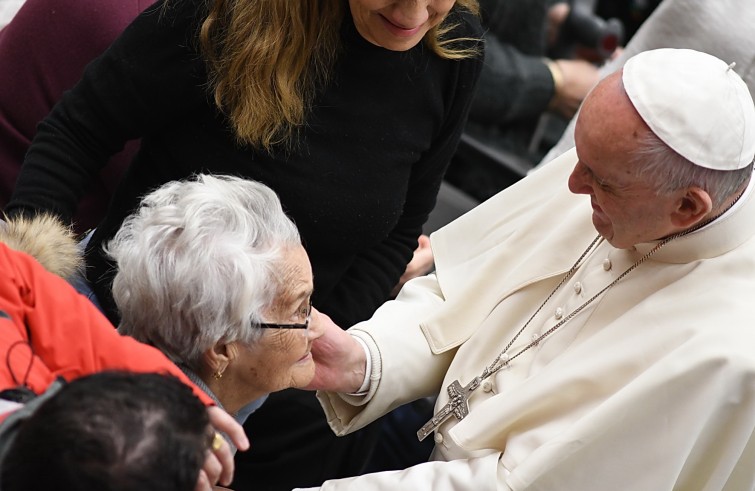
(219, 357)
(693, 206)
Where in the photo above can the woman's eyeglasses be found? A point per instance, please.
(307, 313)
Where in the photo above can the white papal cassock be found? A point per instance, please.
(650, 388)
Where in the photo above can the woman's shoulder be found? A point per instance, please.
(161, 30)
(171, 13)
(465, 24)
(464, 34)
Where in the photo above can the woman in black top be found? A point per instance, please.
(351, 119)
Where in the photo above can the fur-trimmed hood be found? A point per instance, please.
(47, 239)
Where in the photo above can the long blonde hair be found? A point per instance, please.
(267, 59)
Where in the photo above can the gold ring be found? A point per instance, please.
(217, 442)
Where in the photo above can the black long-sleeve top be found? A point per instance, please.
(359, 186)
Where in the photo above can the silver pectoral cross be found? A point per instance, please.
(457, 405)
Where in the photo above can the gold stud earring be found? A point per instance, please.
(218, 375)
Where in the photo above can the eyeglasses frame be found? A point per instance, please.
(305, 325)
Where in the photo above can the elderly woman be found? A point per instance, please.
(212, 272)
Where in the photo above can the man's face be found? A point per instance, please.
(626, 209)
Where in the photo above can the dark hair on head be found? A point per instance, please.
(111, 431)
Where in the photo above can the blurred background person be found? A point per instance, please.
(8, 10)
(631, 13)
(43, 52)
(531, 69)
(722, 29)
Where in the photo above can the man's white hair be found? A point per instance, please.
(657, 163)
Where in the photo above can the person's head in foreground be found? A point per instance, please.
(212, 272)
(111, 431)
(658, 156)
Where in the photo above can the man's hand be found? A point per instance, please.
(339, 358)
(578, 77)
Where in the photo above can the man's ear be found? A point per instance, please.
(691, 208)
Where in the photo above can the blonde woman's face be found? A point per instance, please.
(397, 25)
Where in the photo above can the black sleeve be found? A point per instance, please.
(515, 83)
(150, 76)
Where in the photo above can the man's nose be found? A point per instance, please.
(579, 180)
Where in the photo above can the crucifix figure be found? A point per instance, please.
(458, 405)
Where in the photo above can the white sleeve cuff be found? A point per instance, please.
(365, 387)
(373, 370)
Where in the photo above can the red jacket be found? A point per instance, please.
(49, 330)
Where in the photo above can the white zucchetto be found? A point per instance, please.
(696, 104)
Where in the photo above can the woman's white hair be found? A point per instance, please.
(198, 264)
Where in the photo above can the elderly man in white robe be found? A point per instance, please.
(565, 359)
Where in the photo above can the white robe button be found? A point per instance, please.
(438, 438)
(578, 288)
(607, 264)
(559, 313)
(487, 386)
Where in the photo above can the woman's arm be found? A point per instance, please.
(150, 76)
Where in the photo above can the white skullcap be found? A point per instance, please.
(696, 104)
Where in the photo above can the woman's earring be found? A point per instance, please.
(217, 375)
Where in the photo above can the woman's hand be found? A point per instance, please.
(421, 263)
(218, 466)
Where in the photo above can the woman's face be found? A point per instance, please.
(281, 357)
(397, 25)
